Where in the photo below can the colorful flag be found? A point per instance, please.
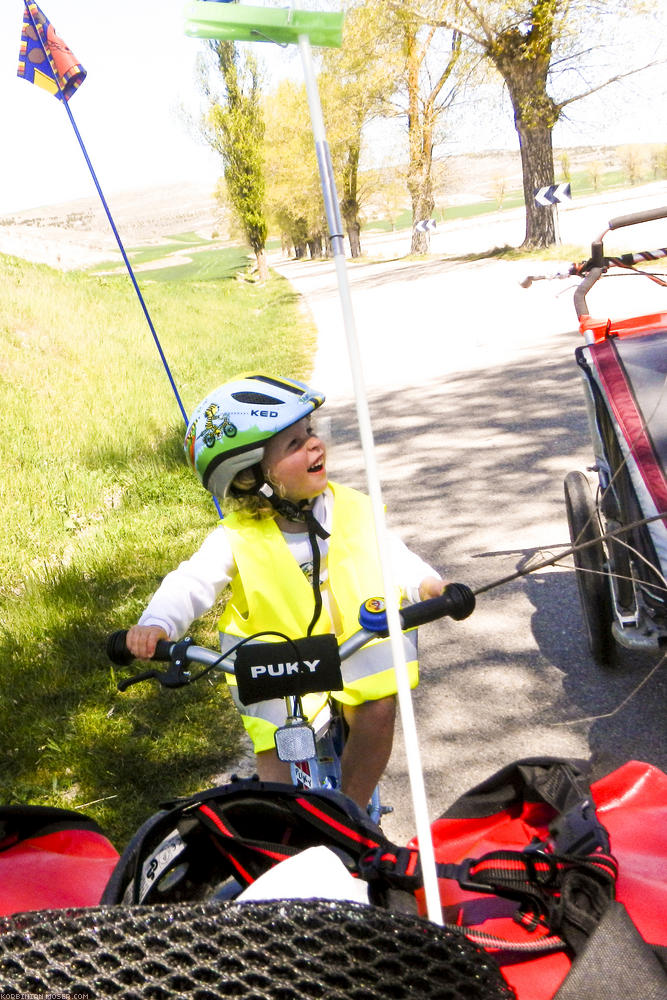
(44, 58)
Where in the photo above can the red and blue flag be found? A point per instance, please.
(44, 58)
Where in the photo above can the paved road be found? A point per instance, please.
(478, 415)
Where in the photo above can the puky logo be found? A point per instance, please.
(282, 669)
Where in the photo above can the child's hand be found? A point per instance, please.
(141, 640)
(431, 586)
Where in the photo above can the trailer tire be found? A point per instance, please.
(590, 567)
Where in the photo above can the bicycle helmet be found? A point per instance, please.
(230, 427)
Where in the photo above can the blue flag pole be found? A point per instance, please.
(114, 229)
(65, 101)
(127, 263)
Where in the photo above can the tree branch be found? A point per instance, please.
(448, 70)
(450, 25)
(600, 86)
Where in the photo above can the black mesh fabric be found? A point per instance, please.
(279, 950)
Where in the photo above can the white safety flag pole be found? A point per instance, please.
(427, 857)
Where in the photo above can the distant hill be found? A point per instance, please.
(77, 233)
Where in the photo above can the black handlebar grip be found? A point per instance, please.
(117, 651)
(163, 649)
(457, 602)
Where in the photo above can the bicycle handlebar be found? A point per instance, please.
(457, 602)
(636, 218)
(597, 264)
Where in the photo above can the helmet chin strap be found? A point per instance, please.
(301, 512)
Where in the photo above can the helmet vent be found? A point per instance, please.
(257, 399)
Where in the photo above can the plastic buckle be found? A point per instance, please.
(579, 831)
(370, 864)
(467, 882)
(543, 879)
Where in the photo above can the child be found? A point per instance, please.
(300, 555)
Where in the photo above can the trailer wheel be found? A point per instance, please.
(590, 569)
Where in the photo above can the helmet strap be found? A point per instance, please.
(301, 512)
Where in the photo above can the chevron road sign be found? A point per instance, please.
(425, 225)
(553, 194)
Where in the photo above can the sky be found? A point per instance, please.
(141, 70)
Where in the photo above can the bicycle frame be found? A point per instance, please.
(314, 756)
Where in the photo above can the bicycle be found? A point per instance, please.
(290, 669)
(620, 534)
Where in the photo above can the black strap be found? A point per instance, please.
(301, 512)
(315, 529)
(251, 857)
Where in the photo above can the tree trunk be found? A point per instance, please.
(537, 164)
(523, 58)
(353, 234)
(262, 265)
(349, 203)
(420, 187)
(422, 208)
(420, 151)
(315, 246)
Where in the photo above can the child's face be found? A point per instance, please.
(296, 460)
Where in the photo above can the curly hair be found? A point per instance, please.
(243, 499)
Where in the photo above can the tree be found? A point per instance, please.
(355, 82)
(433, 72)
(294, 199)
(531, 43)
(234, 127)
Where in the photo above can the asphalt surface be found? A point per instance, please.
(478, 414)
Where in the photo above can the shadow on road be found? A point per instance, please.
(472, 470)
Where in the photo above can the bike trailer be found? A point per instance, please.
(564, 883)
(51, 858)
(620, 537)
(624, 378)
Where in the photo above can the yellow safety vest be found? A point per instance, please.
(270, 591)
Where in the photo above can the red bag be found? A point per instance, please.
(51, 859)
(509, 811)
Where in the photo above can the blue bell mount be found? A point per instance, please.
(238, 22)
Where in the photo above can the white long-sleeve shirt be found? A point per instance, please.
(192, 589)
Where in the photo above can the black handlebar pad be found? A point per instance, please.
(119, 654)
(117, 651)
(457, 602)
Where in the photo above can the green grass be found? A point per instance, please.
(581, 182)
(98, 505)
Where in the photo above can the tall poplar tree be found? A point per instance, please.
(234, 127)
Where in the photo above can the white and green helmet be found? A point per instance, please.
(229, 429)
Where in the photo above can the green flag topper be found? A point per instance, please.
(237, 22)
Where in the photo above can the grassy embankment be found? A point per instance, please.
(98, 504)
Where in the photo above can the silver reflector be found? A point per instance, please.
(294, 743)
